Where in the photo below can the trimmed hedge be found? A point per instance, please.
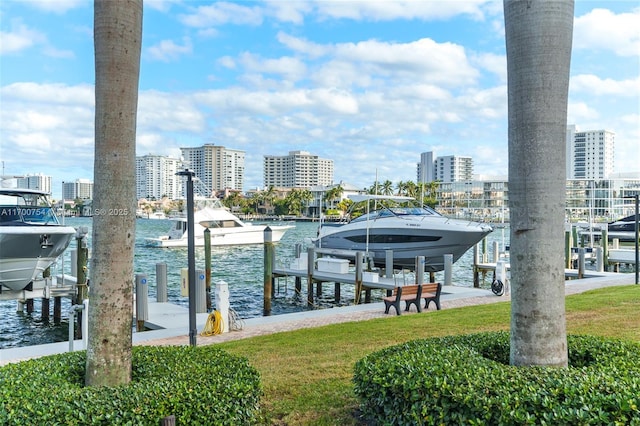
(198, 385)
(467, 380)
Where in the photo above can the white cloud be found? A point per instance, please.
(300, 45)
(601, 29)
(580, 113)
(598, 86)
(221, 13)
(406, 9)
(169, 112)
(496, 64)
(168, 50)
(56, 6)
(19, 38)
(424, 60)
(290, 68)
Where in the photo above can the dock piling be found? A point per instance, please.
(268, 270)
(161, 282)
(142, 308)
(207, 267)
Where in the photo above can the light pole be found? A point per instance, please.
(191, 254)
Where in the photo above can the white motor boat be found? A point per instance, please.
(31, 237)
(225, 228)
(401, 225)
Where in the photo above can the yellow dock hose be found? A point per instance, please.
(213, 325)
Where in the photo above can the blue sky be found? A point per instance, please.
(368, 84)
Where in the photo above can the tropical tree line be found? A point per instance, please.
(296, 201)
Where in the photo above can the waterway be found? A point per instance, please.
(240, 266)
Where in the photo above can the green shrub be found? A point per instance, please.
(198, 385)
(467, 380)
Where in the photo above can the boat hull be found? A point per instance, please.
(408, 241)
(234, 236)
(26, 251)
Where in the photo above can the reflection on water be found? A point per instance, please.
(240, 266)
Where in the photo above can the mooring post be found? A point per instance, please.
(310, 264)
(57, 310)
(82, 255)
(46, 274)
(207, 267)
(297, 252)
(142, 310)
(567, 249)
(604, 243)
(268, 270)
(476, 271)
(161, 282)
(448, 268)
(359, 262)
(581, 264)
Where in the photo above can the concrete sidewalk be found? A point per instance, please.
(174, 319)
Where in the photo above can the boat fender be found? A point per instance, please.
(497, 287)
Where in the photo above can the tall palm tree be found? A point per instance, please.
(333, 194)
(387, 187)
(117, 40)
(538, 42)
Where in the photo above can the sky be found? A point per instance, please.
(368, 84)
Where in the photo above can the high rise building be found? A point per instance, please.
(299, 169)
(453, 168)
(37, 181)
(156, 177)
(217, 167)
(81, 188)
(590, 153)
(426, 171)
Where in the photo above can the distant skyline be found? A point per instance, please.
(370, 85)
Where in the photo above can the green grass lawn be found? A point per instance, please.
(307, 373)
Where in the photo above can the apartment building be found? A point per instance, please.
(156, 177)
(80, 188)
(217, 167)
(453, 168)
(299, 169)
(37, 181)
(590, 154)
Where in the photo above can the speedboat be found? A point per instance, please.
(403, 226)
(225, 228)
(623, 229)
(31, 237)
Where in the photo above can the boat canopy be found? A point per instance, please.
(360, 197)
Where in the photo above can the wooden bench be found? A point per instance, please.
(431, 293)
(410, 294)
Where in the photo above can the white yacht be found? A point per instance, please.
(401, 225)
(225, 228)
(31, 237)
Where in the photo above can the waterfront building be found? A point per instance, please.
(425, 172)
(156, 177)
(453, 168)
(217, 167)
(590, 153)
(586, 199)
(299, 169)
(319, 204)
(37, 181)
(80, 188)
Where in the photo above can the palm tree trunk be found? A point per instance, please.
(538, 41)
(117, 39)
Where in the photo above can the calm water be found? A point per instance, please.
(241, 267)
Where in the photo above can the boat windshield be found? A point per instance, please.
(26, 209)
(397, 212)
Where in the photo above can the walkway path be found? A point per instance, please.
(456, 297)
